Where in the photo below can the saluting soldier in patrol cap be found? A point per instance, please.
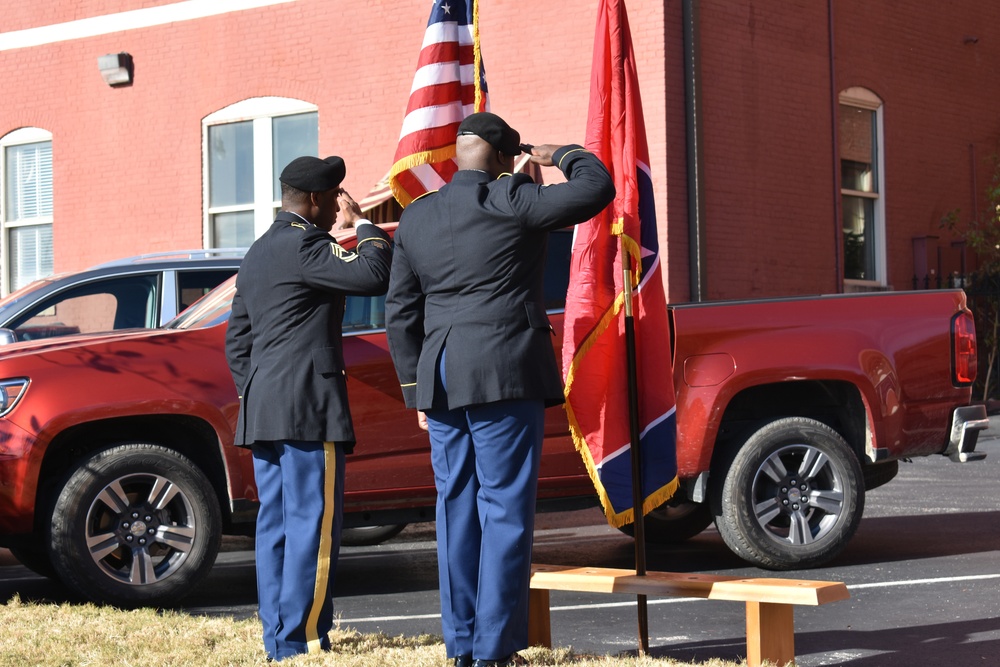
(472, 345)
(284, 349)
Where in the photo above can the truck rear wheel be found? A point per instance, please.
(135, 524)
(792, 497)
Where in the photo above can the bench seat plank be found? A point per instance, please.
(674, 584)
(769, 601)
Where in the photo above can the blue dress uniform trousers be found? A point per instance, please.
(486, 460)
(301, 488)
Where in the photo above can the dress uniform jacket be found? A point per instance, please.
(283, 340)
(467, 272)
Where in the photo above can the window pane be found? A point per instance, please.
(230, 164)
(291, 137)
(856, 176)
(120, 303)
(362, 313)
(857, 149)
(859, 238)
(232, 230)
(29, 181)
(30, 252)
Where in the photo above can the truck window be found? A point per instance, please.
(192, 285)
(557, 268)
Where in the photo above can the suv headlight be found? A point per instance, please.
(11, 392)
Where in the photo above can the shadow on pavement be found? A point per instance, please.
(388, 569)
(933, 644)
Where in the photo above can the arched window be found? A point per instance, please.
(246, 145)
(26, 205)
(862, 186)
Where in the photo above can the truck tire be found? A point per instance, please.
(135, 524)
(792, 497)
(674, 522)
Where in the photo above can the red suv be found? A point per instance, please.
(117, 469)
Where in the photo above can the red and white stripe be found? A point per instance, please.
(443, 93)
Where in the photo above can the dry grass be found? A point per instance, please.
(64, 635)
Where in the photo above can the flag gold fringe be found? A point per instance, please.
(615, 519)
(664, 493)
(415, 160)
(477, 58)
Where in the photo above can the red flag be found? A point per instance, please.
(449, 84)
(594, 354)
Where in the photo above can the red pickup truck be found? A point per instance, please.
(118, 474)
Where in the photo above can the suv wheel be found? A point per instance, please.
(792, 497)
(135, 524)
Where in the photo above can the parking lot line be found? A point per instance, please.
(630, 602)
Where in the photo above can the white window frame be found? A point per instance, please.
(259, 110)
(862, 98)
(24, 135)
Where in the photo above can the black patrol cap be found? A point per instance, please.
(494, 130)
(311, 174)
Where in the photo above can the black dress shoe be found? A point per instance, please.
(463, 661)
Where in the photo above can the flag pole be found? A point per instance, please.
(639, 530)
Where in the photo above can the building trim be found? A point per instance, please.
(131, 20)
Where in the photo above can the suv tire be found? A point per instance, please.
(135, 524)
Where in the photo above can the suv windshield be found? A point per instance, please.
(212, 309)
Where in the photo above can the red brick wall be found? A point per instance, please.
(767, 148)
(934, 69)
(770, 190)
(128, 164)
(127, 161)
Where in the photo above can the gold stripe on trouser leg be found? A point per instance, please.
(325, 540)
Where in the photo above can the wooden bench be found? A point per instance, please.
(770, 602)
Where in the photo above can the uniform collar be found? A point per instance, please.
(289, 216)
(471, 176)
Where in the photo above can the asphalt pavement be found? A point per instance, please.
(923, 572)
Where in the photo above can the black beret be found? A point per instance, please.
(310, 174)
(494, 130)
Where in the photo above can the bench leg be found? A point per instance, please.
(539, 627)
(770, 633)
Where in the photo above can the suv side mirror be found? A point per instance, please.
(7, 336)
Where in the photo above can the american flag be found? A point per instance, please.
(450, 84)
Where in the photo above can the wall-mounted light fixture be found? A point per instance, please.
(116, 69)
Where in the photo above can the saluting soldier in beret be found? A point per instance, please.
(283, 344)
(472, 345)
